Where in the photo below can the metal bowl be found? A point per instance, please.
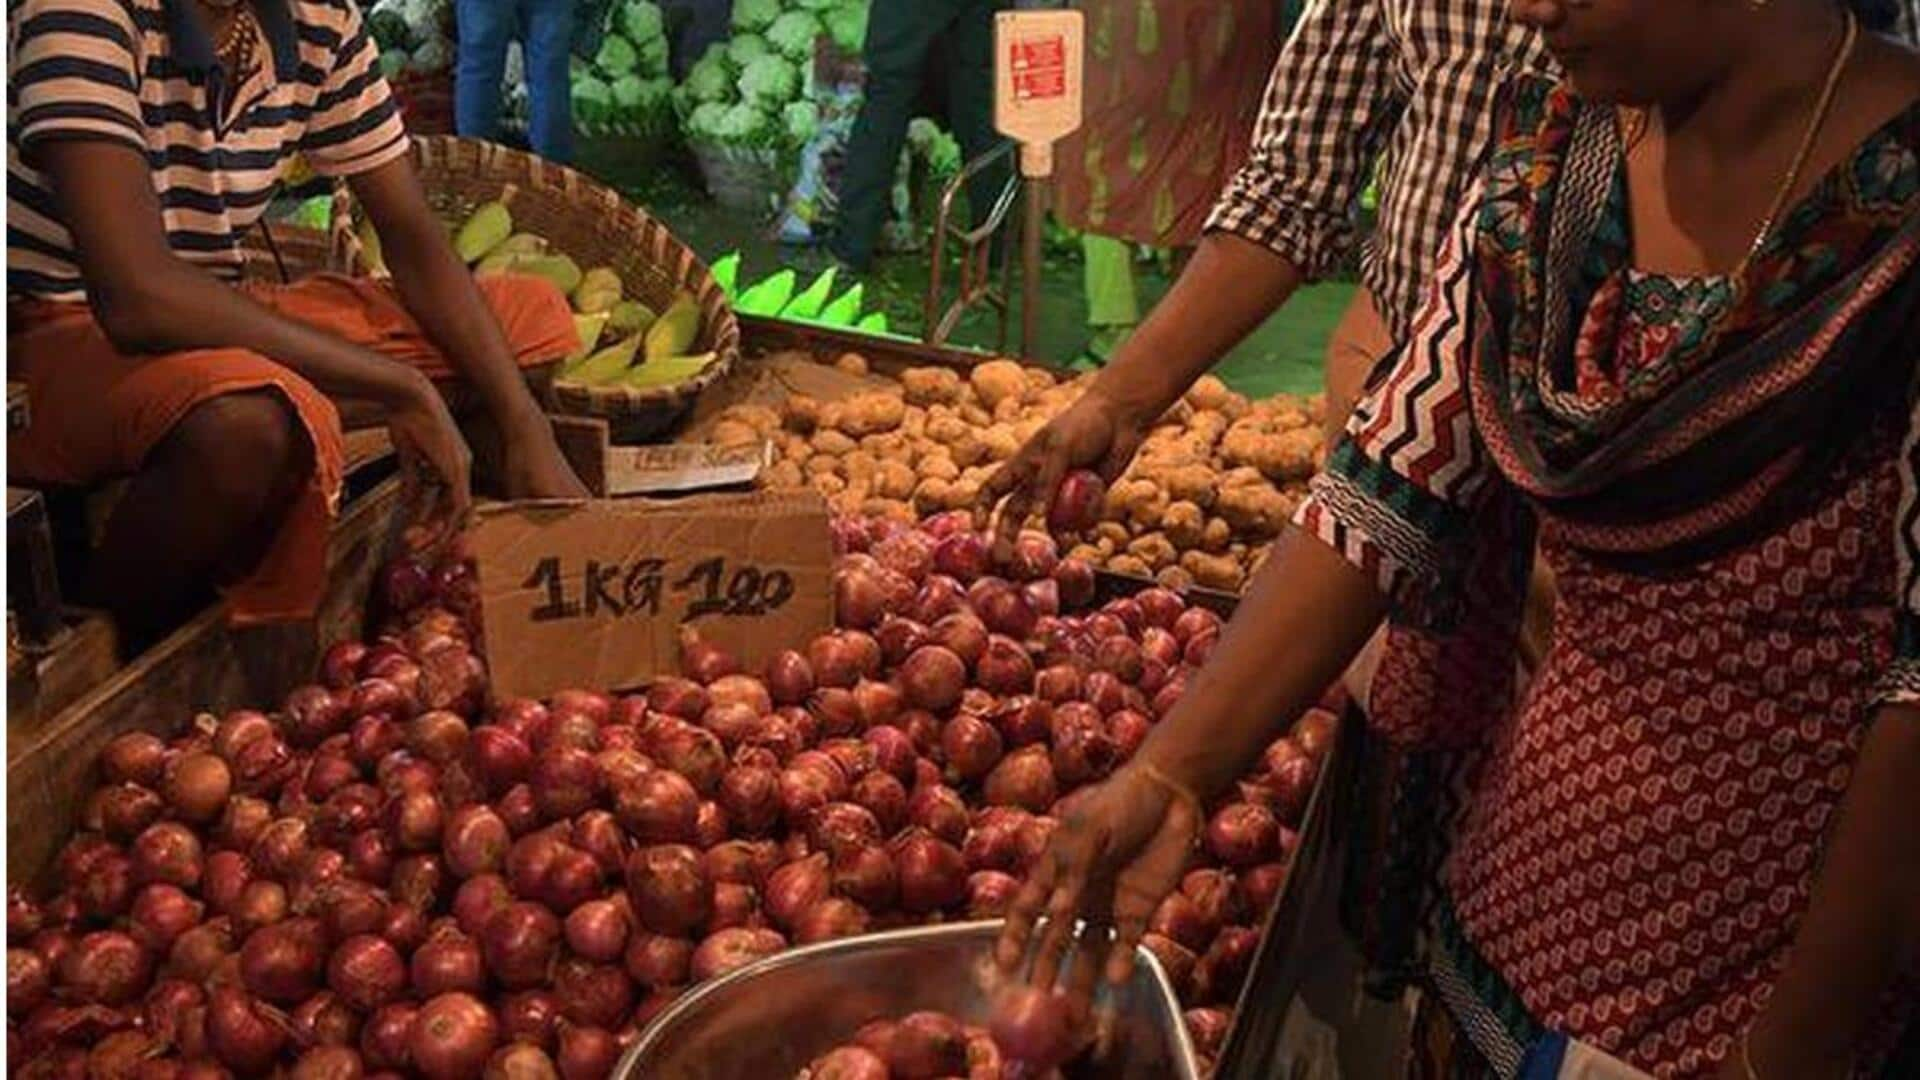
(766, 1021)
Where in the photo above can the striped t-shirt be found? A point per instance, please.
(143, 73)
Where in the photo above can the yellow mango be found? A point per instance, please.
(485, 229)
(673, 332)
(665, 371)
(589, 328)
(606, 365)
(559, 269)
(523, 243)
(630, 317)
(599, 290)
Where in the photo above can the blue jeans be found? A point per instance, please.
(545, 30)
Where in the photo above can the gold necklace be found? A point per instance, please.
(1849, 37)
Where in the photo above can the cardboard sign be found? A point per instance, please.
(1038, 81)
(594, 595)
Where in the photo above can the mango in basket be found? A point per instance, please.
(589, 328)
(522, 243)
(599, 290)
(370, 253)
(485, 228)
(665, 371)
(603, 366)
(630, 317)
(673, 332)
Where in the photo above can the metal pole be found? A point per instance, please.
(1030, 263)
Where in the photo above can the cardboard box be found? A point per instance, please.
(595, 595)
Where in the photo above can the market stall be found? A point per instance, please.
(341, 848)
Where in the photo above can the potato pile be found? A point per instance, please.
(1215, 482)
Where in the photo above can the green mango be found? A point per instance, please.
(606, 365)
(807, 305)
(673, 332)
(524, 243)
(599, 290)
(485, 229)
(588, 328)
(846, 309)
(767, 297)
(630, 317)
(665, 371)
(562, 271)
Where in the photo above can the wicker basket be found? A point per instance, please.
(754, 181)
(593, 224)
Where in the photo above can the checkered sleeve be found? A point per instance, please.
(1328, 111)
(1401, 487)
(1900, 683)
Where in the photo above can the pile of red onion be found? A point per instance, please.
(393, 874)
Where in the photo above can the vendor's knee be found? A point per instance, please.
(250, 448)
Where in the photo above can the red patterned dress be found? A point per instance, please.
(1721, 473)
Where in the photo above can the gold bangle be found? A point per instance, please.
(1746, 1054)
(1174, 787)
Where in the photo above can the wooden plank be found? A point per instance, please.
(33, 588)
(82, 656)
(205, 665)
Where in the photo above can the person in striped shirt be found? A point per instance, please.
(144, 138)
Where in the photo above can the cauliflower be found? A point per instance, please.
(847, 25)
(755, 15)
(709, 80)
(641, 22)
(743, 123)
(793, 34)
(707, 119)
(616, 57)
(653, 58)
(744, 49)
(801, 120)
(769, 80)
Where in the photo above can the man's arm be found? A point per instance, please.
(438, 291)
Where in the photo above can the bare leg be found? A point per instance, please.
(204, 509)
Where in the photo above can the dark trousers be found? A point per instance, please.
(902, 36)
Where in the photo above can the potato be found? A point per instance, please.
(1039, 381)
(852, 363)
(1112, 532)
(883, 507)
(1147, 513)
(822, 465)
(828, 484)
(938, 466)
(974, 416)
(1185, 524)
(732, 433)
(932, 495)
(1175, 578)
(758, 417)
(1008, 411)
(859, 466)
(1130, 565)
(948, 429)
(782, 476)
(1154, 549)
(802, 413)
(873, 413)
(997, 380)
(1001, 442)
(1217, 536)
(1087, 553)
(1213, 571)
(829, 441)
(1208, 392)
(1194, 484)
(929, 385)
(833, 414)
(968, 450)
(894, 480)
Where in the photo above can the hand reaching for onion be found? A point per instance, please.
(1091, 442)
(1119, 851)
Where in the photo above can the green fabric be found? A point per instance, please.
(1111, 300)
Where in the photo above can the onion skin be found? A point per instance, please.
(731, 949)
(238, 1034)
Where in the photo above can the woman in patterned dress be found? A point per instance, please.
(1673, 339)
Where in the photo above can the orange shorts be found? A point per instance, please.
(97, 412)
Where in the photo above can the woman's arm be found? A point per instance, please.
(438, 290)
(1862, 927)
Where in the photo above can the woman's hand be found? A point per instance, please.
(1117, 853)
(433, 453)
(535, 468)
(1094, 433)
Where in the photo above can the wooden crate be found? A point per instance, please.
(33, 589)
(48, 677)
(205, 665)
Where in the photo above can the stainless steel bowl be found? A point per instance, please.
(767, 1020)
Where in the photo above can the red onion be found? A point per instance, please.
(831, 918)
(1194, 622)
(379, 695)
(200, 950)
(837, 710)
(898, 637)
(520, 1061)
(1059, 683)
(597, 931)
(372, 738)
(1103, 625)
(731, 949)
(1128, 730)
(283, 962)
(1208, 1028)
(385, 1038)
(448, 961)
(478, 900)
(858, 599)
(994, 843)
(659, 808)
(1243, 834)
(452, 1038)
(1260, 888)
(656, 961)
(848, 1063)
(238, 1033)
(907, 553)
(167, 852)
(927, 1045)
(586, 1053)
(877, 702)
(565, 782)
(885, 798)
(893, 751)
(789, 678)
(370, 857)
(519, 809)
(1199, 648)
(795, 887)
(674, 696)
(742, 690)
(1005, 668)
(340, 665)
(932, 678)
(940, 597)
(1315, 732)
(502, 758)
(406, 927)
(121, 811)
(1178, 918)
(415, 819)
(1076, 583)
(134, 757)
(197, 786)
(962, 634)
(366, 971)
(836, 661)
(161, 913)
(932, 873)
(702, 661)
(103, 887)
(419, 881)
(1215, 894)
(520, 944)
(1083, 754)
(1175, 959)
(1033, 557)
(1291, 781)
(476, 841)
(591, 704)
(939, 810)
(1223, 970)
(751, 798)
(963, 555)
(853, 757)
(29, 980)
(972, 746)
(1043, 597)
(693, 753)
(669, 889)
(1036, 1027)
(237, 729)
(990, 893)
(531, 1017)
(1121, 657)
(594, 995)
(1078, 502)
(841, 826)
(923, 730)
(804, 790)
(1006, 611)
